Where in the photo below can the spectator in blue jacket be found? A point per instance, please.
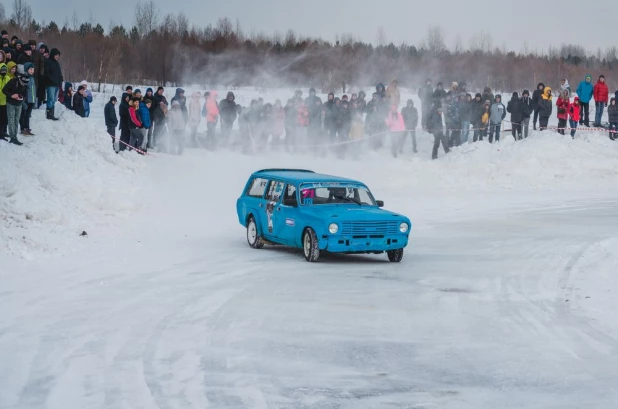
(144, 112)
(584, 93)
(87, 98)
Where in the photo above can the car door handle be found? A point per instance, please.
(260, 204)
(278, 209)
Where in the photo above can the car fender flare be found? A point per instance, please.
(256, 217)
(322, 243)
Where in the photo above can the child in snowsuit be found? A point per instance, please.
(562, 106)
(612, 112)
(78, 102)
(498, 113)
(177, 128)
(574, 115)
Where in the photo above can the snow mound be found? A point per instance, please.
(65, 180)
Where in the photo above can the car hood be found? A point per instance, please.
(352, 213)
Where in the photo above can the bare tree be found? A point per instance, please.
(481, 43)
(381, 37)
(434, 41)
(458, 47)
(2, 13)
(22, 13)
(146, 17)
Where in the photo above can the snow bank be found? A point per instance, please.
(62, 181)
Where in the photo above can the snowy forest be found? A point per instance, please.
(169, 50)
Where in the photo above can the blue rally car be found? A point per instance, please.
(318, 212)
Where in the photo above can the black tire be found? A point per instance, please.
(253, 237)
(395, 256)
(310, 246)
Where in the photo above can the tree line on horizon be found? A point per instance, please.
(167, 50)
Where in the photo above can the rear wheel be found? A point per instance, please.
(395, 256)
(253, 238)
(310, 246)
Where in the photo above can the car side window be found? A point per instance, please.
(275, 190)
(289, 199)
(257, 188)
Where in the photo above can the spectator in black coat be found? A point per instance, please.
(53, 77)
(517, 110)
(78, 101)
(536, 97)
(111, 120)
(528, 110)
(227, 113)
(123, 112)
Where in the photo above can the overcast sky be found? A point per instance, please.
(540, 23)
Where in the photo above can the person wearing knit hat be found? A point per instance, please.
(30, 100)
(15, 90)
(39, 71)
(87, 98)
(53, 80)
(111, 120)
(5, 34)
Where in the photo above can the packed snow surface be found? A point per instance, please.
(506, 295)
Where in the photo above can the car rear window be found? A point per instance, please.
(257, 188)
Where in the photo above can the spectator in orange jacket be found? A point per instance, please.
(212, 117)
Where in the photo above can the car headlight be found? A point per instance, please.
(403, 227)
(333, 228)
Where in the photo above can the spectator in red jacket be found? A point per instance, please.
(562, 106)
(574, 116)
(601, 97)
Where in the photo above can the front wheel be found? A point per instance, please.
(253, 238)
(395, 256)
(310, 246)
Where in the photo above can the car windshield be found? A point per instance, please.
(335, 193)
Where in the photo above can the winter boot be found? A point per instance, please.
(27, 132)
(52, 115)
(534, 126)
(47, 114)
(15, 141)
(3, 138)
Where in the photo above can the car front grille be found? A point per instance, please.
(369, 228)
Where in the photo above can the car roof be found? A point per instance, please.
(301, 176)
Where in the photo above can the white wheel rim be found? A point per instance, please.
(251, 233)
(307, 244)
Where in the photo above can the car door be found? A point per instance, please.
(274, 192)
(287, 212)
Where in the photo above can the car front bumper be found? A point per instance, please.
(366, 244)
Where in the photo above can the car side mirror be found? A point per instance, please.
(380, 203)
